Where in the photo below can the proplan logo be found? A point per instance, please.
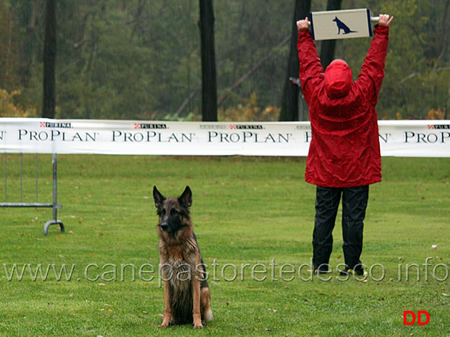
(245, 127)
(413, 316)
(55, 125)
(150, 126)
(439, 126)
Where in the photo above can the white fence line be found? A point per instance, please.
(424, 138)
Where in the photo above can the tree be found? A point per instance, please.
(25, 71)
(49, 101)
(9, 50)
(208, 56)
(289, 104)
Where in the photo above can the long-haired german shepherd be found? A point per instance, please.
(186, 292)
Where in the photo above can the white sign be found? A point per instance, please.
(343, 24)
(36, 135)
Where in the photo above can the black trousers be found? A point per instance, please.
(354, 204)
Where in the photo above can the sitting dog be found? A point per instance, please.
(186, 292)
(340, 25)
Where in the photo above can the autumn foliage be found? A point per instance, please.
(9, 109)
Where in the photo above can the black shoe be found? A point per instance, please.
(357, 271)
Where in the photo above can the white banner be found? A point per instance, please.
(429, 138)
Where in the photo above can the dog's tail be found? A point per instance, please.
(208, 315)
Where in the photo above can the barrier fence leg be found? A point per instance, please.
(55, 220)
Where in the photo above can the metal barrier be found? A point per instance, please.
(53, 204)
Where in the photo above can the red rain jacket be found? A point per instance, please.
(345, 149)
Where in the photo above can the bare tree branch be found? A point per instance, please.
(251, 71)
(185, 103)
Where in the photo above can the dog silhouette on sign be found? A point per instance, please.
(340, 25)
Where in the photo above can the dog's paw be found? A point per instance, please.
(198, 325)
(165, 324)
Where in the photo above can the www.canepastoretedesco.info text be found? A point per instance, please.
(219, 272)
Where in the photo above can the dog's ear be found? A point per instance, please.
(186, 197)
(158, 197)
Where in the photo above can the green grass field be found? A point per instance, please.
(253, 218)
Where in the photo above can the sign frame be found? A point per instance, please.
(341, 24)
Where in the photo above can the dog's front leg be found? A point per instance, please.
(197, 317)
(167, 308)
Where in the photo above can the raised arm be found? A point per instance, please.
(311, 70)
(372, 71)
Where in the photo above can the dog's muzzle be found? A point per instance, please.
(164, 226)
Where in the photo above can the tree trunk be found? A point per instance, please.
(209, 81)
(48, 107)
(290, 100)
(25, 73)
(328, 46)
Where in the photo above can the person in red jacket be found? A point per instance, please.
(344, 153)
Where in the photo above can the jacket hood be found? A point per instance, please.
(338, 79)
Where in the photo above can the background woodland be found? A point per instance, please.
(141, 59)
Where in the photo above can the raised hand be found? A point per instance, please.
(383, 20)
